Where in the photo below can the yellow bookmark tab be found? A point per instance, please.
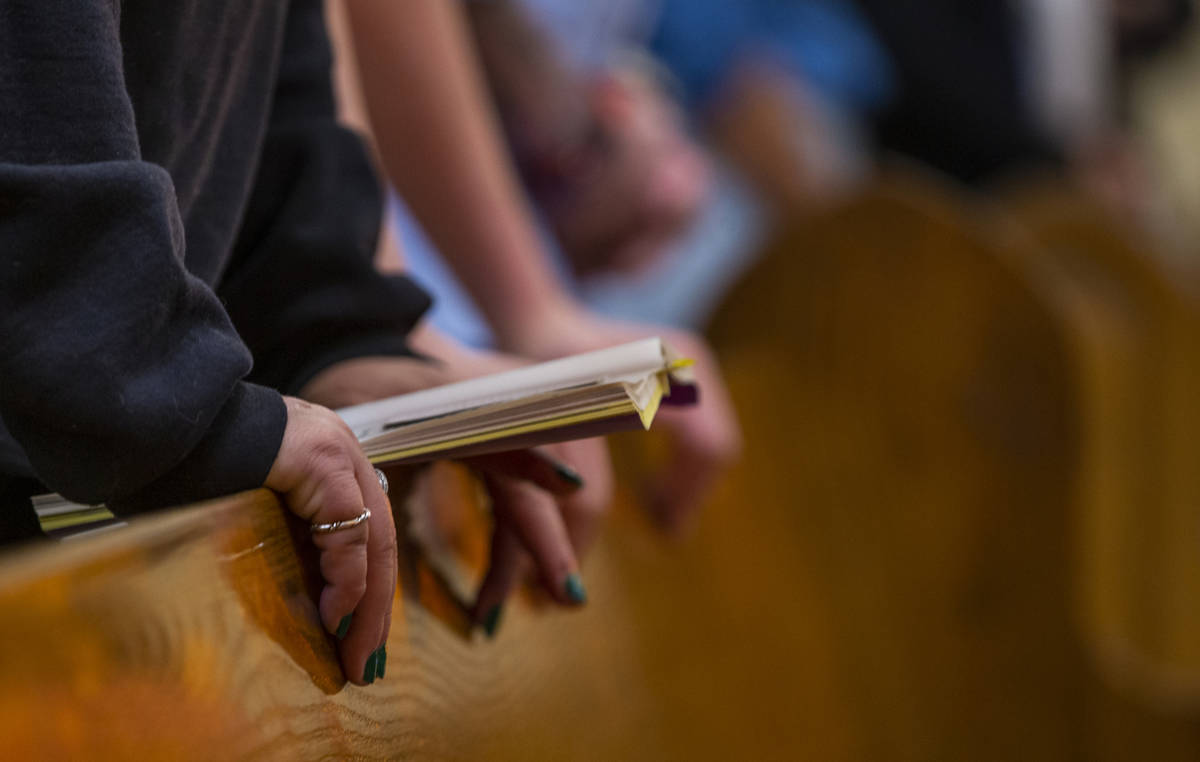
(682, 362)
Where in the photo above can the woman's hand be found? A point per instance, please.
(637, 183)
(547, 505)
(324, 477)
(547, 502)
(704, 439)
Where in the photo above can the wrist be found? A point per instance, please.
(541, 329)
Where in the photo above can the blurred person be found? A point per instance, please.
(1075, 55)
(442, 149)
(1147, 26)
(784, 87)
(992, 88)
(775, 88)
(601, 151)
(188, 240)
(779, 85)
(959, 105)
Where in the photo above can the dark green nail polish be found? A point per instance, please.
(344, 627)
(574, 589)
(369, 667)
(381, 668)
(491, 622)
(568, 475)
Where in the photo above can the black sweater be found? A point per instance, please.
(172, 176)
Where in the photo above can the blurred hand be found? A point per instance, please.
(547, 505)
(635, 184)
(547, 502)
(323, 476)
(1113, 169)
(705, 439)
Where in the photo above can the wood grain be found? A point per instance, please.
(958, 418)
(914, 387)
(1138, 519)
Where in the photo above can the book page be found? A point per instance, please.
(628, 363)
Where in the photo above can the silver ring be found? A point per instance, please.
(383, 482)
(335, 526)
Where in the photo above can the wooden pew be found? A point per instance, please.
(192, 635)
(1138, 569)
(890, 574)
(913, 431)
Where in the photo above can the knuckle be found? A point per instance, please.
(357, 588)
(592, 506)
(342, 499)
(329, 457)
(338, 427)
(326, 454)
(386, 544)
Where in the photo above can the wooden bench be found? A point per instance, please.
(1138, 519)
(943, 410)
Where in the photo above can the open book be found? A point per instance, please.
(573, 398)
(576, 397)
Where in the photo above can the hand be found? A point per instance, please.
(1113, 170)
(547, 503)
(704, 439)
(634, 185)
(547, 514)
(323, 476)
(366, 379)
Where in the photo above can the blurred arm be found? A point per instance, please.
(439, 144)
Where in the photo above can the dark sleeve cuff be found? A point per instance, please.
(235, 455)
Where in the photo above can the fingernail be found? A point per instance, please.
(575, 590)
(491, 622)
(568, 474)
(344, 627)
(369, 667)
(382, 666)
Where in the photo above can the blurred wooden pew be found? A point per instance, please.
(967, 481)
(192, 635)
(1138, 520)
(913, 430)
(992, 411)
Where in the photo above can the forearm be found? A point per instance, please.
(538, 93)
(302, 287)
(450, 164)
(121, 372)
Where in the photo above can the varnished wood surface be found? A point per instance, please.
(914, 386)
(940, 398)
(193, 636)
(1140, 566)
(1137, 571)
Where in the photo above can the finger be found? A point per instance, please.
(506, 568)
(362, 650)
(535, 519)
(679, 492)
(343, 553)
(705, 440)
(537, 466)
(638, 255)
(583, 510)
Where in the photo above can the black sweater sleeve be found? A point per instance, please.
(120, 373)
(303, 289)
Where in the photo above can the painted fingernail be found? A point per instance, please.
(344, 627)
(369, 667)
(568, 475)
(381, 667)
(491, 622)
(575, 590)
